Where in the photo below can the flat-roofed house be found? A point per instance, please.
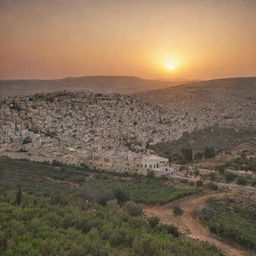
(159, 165)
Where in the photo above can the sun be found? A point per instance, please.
(170, 65)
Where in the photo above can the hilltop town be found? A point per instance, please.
(110, 132)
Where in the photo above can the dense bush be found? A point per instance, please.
(231, 221)
(134, 209)
(146, 245)
(242, 181)
(153, 221)
(209, 152)
(198, 156)
(177, 210)
(220, 168)
(229, 176)
(212, 186)
(187, 154)
(199, 183)
(169, 229)
(121, 195)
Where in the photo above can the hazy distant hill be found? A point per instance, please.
(233, 99)
(205, 92)
(97, 84)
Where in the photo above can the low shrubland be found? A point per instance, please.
(73, 211)
(233, 221)
(44, 178)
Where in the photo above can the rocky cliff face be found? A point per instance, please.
(67, 124)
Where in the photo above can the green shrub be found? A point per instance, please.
(153, 221)
(212, 186)
(177, 210)
(242, 181)
(199, 183)
(209, 152)
(169, 229)
(220, 169)
(104, 198)
(187, 154)
(146, 245)
(229, 176)
(121, 196)
(198, 156)
(133, 209)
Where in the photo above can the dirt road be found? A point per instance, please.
(189, 225)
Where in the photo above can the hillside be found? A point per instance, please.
(220, 138)
(232, 219)
(231, 98)
(69, 125)
(97, 84)
(204, 91)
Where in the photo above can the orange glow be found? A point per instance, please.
(152, 39)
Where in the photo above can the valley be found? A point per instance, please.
(128, 128)
(144, 154)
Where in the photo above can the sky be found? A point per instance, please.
(155, 39)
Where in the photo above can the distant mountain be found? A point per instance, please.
(206, 94)
(200, 92)
(234, 99)
(96, 84)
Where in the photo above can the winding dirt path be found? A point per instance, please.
(189, 225)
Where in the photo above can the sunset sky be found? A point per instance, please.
(188, 39)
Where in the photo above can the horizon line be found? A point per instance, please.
(127, 76)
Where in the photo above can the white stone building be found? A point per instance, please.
(126, 161)
(159, 165)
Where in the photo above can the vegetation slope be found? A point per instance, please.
(50, 212)
(232, 219)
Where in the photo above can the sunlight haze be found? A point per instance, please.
(195, 39)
